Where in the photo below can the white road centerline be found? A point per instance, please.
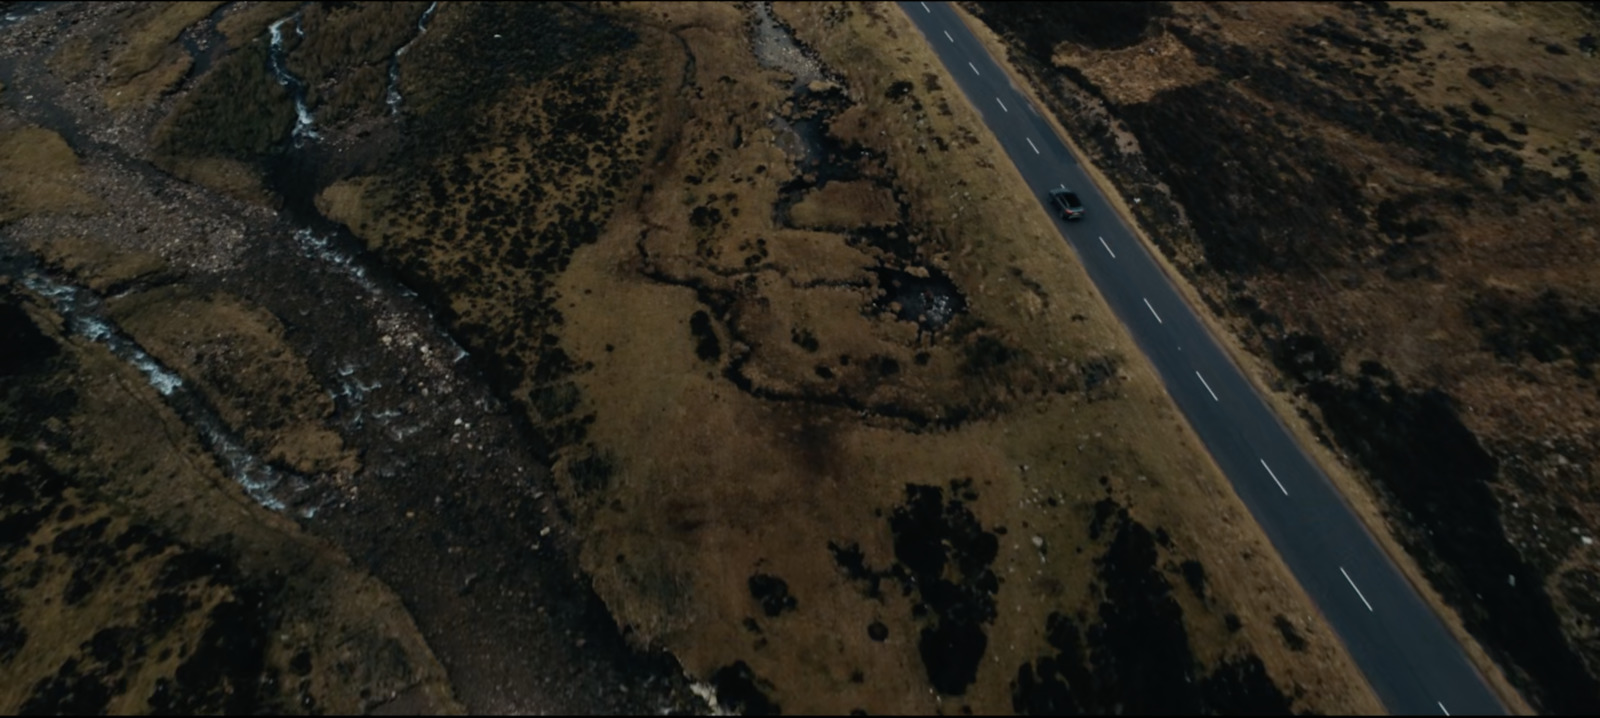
(1157, 316)
(1002, 104)
(1358, 590)
(1274, 476)
(925, 8)
(948, 37)
(1030, 144)
(974, 68)
(1108, 251)
(1442, 708)
(1208, 387)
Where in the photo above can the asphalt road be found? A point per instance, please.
(1415, 664)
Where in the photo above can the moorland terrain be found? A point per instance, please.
(564, 357)
(1389, 205)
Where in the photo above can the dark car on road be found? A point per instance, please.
(1066, 203)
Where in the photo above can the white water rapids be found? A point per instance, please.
(83, 314)
(303, 128)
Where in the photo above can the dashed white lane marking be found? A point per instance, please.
(1445, 710)
(925, 8)
(1108, 249)
(1274, 476)
(974, 68)
(1353, 585)
(1157, 316)
(1208, 387)
(1035, 148)
(1002, 104)
(947, 36)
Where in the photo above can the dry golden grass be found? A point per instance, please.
(844, 205)
(38, 175)
(740, 461)
(714, 484)
(250, 20)
(89, 261)
(77, 56)
(148, 60)
(237, 357)
(233, 178)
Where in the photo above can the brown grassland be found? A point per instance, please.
(765, 450)
(773, 373)
(1403, 245)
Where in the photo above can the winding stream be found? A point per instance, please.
(84, 316)
(393, 95)
(303, 129)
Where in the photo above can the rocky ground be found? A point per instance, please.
(1390, 203)
(556, 357)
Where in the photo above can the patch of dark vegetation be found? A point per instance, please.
(1291, 636)
(1099, 376)
(1135, 659)
(1194, 574)
(1549, 327)
(1304, 357)
(944, 557)
(30, 493)
(28, 350)
(929, 532)
(13, 635)
(1434, 469)
(853, 564)
(591, 473)
(1103, 26)
(536, 40)
(1241, 686)
(741, 691)
(68, 692)
(226, 671)
(773, 594)
(238, 111)
(1309, 200)
(706, 346)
